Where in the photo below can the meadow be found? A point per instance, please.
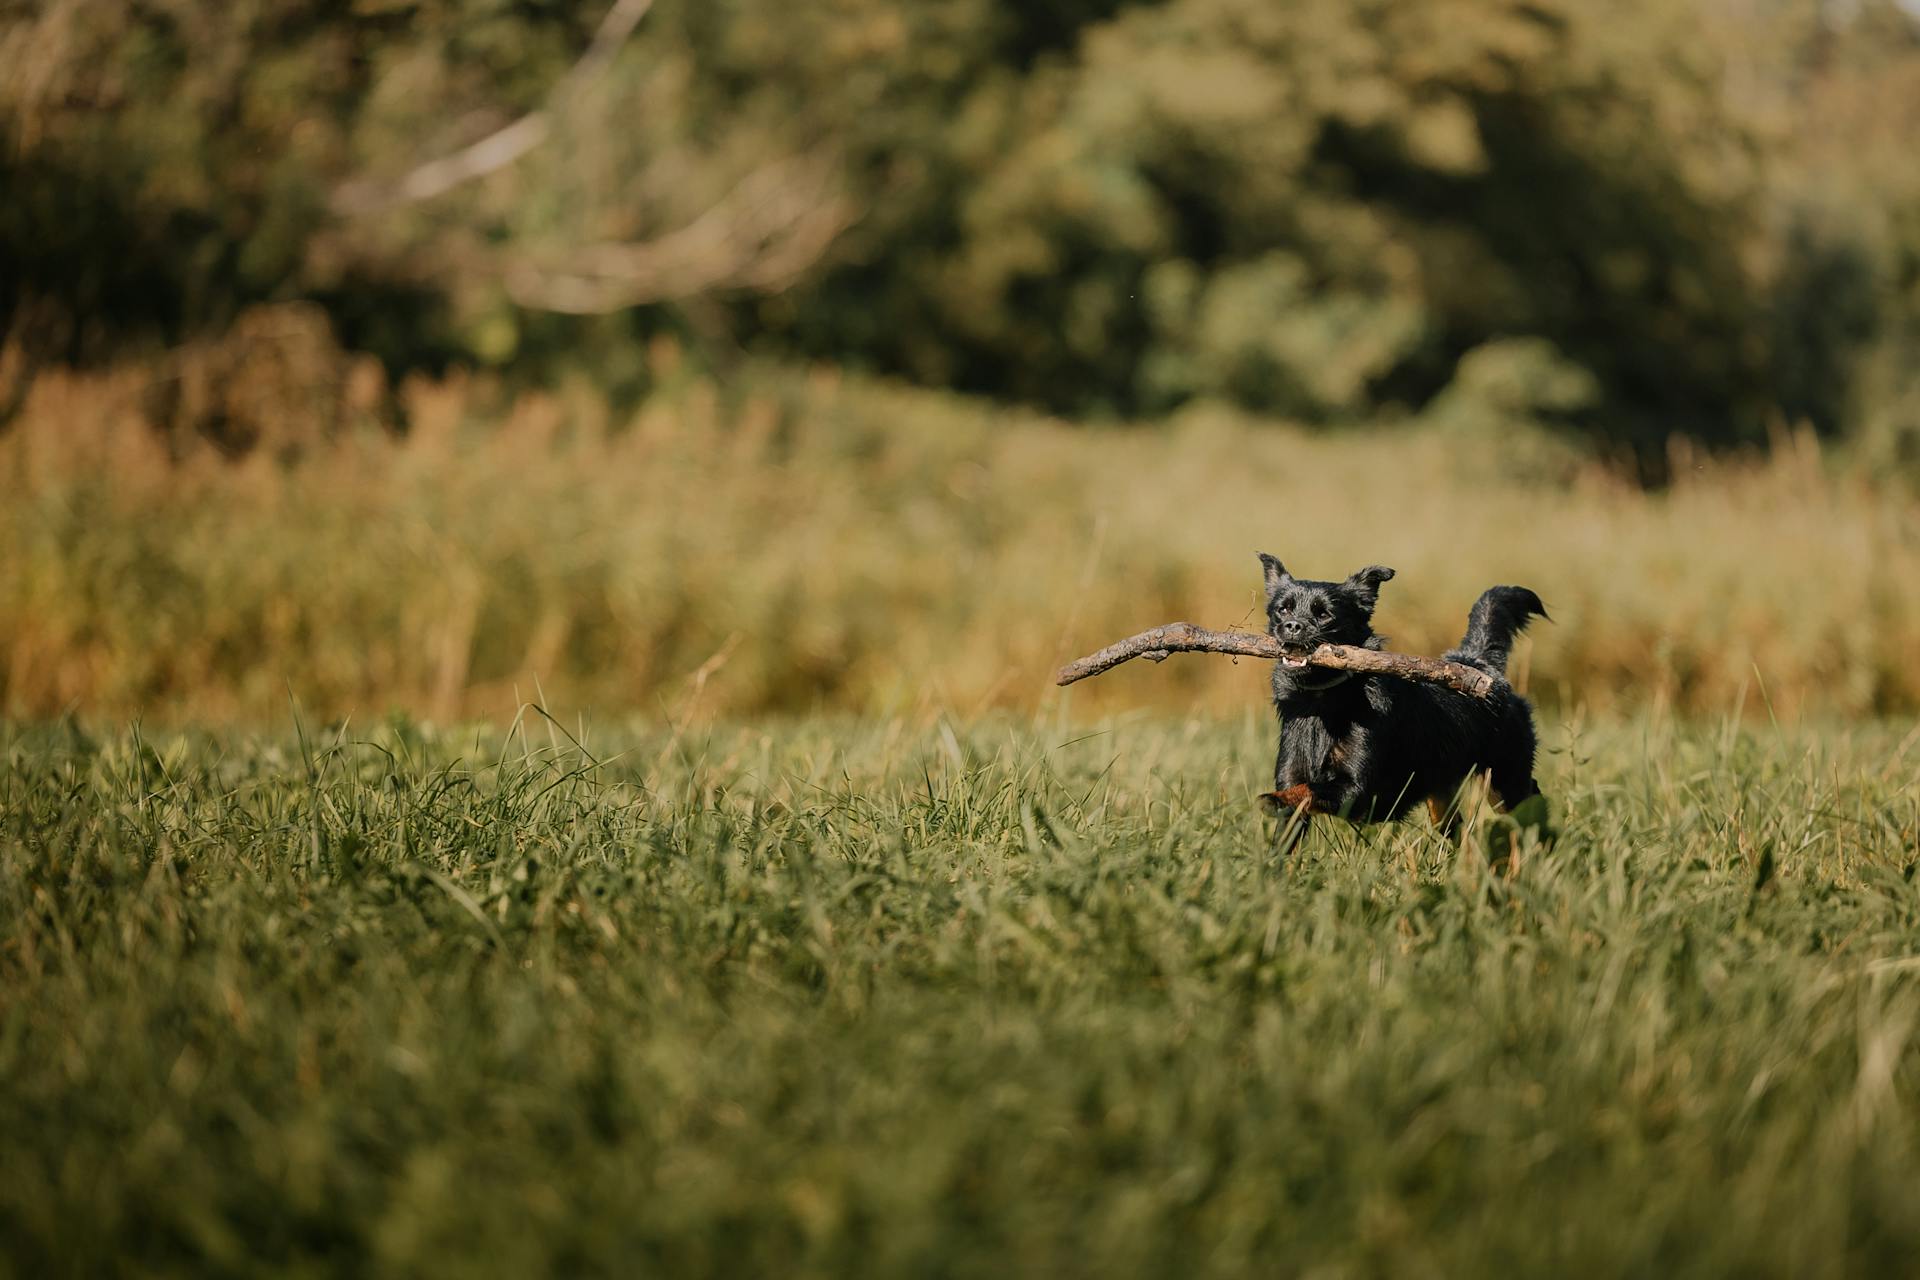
(802, 543)
(535, 540)
(1016, 995)
(813, 932)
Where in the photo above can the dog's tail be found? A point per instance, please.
(1500, 614)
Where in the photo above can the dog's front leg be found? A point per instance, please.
(1293, 819)
(1295, 806)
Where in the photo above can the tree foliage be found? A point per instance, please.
(1605, 217)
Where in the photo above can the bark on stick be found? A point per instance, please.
(1183, 637)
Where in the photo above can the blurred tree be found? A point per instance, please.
(1603, 219)
(1321, 209)
(1834, 90)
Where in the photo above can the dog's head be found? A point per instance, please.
(1302, 614)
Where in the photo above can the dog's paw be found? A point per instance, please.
(1281, 803)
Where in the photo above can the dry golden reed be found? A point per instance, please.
(789, 543)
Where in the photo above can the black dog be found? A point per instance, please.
(1370, 748)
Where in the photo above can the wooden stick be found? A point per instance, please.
(1183, 637)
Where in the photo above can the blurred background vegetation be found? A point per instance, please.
(597, 325)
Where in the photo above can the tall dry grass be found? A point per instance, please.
(795, 542)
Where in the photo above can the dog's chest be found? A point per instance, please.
(1317, 748)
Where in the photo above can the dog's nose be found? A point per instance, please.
(1290, 628)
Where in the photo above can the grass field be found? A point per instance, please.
(797, 544)
(1004, 997)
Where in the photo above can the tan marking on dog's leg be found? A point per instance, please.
(1296, 797)
(1294, 808)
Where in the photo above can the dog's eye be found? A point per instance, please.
(1286, 606)
(1320, 610)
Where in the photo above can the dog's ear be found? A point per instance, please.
(1277, 575)
(1365, 583)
